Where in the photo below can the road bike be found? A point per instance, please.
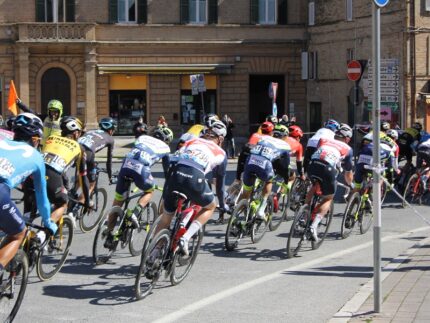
(163, 253)
(298, 192)
(89, 219)
(124, 232)
(244, 222)
(414, 189)
(280, 197)
(300, 232)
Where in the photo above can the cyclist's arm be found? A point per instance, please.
(40, 188)
(109, 157)
(165, 162)
(81, 168)
(23, 107)
(347, 166)
(219, 173)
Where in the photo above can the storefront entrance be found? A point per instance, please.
(127, 106)
(55, 85)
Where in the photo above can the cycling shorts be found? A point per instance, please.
(325, 174)
(140, 174)
(91, 165)
(308, 156)
(57, 192)
(423, 155)
(11, 221)
(190, 181)
(257, 166)
(360, 173)
(405, 149)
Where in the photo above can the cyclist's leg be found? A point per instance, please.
(57, 193)
(91, 173)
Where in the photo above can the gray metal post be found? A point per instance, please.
(376, 61)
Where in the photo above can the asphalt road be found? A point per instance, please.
(256, 283)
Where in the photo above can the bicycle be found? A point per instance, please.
(414, 189)
(162, 254)
(243, 222)
(280, 197)
(300, 231)
(89, 219)
(124, 233)
(298, 192)
(359, 208)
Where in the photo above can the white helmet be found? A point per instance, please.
(393, 134)
(218, 128)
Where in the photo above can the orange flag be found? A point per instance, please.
(11, 102)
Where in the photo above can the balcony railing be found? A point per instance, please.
(48, 32)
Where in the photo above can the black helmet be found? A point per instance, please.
(9, 122)
(273, 119)
(70, 124)
(27, 125)
(344, 131)
(418, 126)
(209, 119)
(107, 123)
(385, 126)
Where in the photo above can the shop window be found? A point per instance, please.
(46, 11)
(127, 106)
(192, 109)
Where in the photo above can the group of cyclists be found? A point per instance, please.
(41, 153)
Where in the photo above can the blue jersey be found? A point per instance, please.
(271, 148)
(18, 161)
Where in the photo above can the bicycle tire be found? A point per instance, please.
(299, 227)
(259, 227)
(147, 277)
(236, 227)
(325, 224)
(409, 195)
(279, 216)
(349, 215)
(138, 235)
(58, 247)
(12, 293)
(90, 220)
(160, 205)
(185, 263)
(297, 194)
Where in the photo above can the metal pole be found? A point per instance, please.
(376, 60)
(354, 118)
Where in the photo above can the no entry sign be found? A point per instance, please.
(354, 70)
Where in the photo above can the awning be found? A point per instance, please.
(165, 68)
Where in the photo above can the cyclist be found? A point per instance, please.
(330, 155)
(327, 132)
(423, 156)
(407, 140)
(195, 159)
(19, 159)
(268, 154)
(51, 124)
(59, 154)
(137, 165)
(94, 141)
(196, 130)
(293, 139)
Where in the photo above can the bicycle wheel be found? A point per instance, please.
(236, 228)
(102, 254)
(181, 265)
(297, 238)
(413, 190)
(297, 194)
(52, 257)
(260, 227)
(323, 227)
(89, 220)
(279, 211)
(13, 287)
(365, 216)
(151, 264)
(138, 236)
(350, 215)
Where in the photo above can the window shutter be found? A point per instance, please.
(113, 11)
(311, 14)
(213, 12)
(142, 12)
(40, 11)
(254, 11)
(282, 12)
(70, 10)
(185, 14)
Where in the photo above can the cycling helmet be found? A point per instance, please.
(271, 118)
(70, 124)
(107, 123)
(332, 124)
(267, 127)
(284, 120)
(280, 131)
(418, 126)
(27, 125)
(164, 134)
(296, 132)
(209, 119)
(9, 122)
(219, 128)
(344, 131)
(393, 134)
(385, 126)
(55, 105)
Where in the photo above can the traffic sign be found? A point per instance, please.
(381, 3)
(354, 70)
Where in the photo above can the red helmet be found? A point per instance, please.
(296, 132)
(267, 127)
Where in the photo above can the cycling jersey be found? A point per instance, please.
(334, 153)
(270, 148)
(321, 133)
(388, 141)
(18, 161)
(51, 128)
(148, 150)
(296, 148)
(6, 134)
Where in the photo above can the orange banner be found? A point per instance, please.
(13, 96)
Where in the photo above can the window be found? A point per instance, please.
(315, 116)
(199, 11)
(55, 11)
(311, 14)
(267, 11)
(309, 65)
(350, 54)
(348, 7)
(128, 11)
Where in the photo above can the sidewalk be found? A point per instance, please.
(406, 291)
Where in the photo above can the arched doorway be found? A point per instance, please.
(55, 84)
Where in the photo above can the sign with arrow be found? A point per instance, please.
(385, 113)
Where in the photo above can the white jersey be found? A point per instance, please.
(202, 152)
(425, 144)
(321, 133)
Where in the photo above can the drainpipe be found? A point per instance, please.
(413, 61)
